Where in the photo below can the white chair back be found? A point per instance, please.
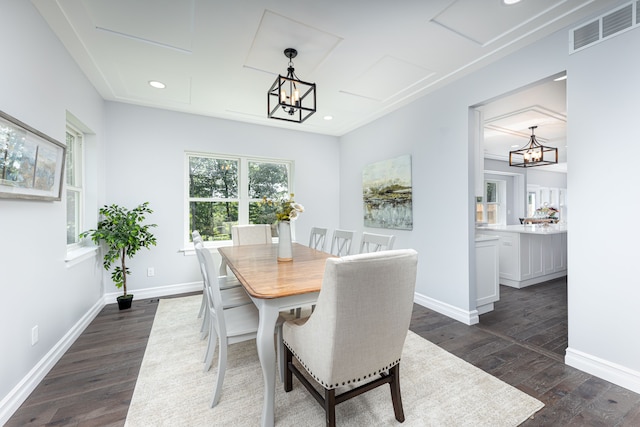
(317, 238)
(376, 242)
(211, 287)
(341, 242)
(253, 234)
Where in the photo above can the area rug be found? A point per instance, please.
(438, 389)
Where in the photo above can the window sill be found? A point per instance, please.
(76, 256)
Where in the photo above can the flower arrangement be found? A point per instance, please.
(286, 209)
(547, 211)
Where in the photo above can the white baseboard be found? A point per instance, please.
(612, 372)
(160, 291)
(16, 397)
(467, 317)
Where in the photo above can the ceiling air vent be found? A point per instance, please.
(586, 35)
(615, 22)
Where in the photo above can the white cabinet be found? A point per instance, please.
(487, 273)
(528, 257)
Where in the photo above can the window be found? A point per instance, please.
(224, 191)
(532, 203)
(491, 209)
(75, 190)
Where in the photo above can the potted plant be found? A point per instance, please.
(124, 234)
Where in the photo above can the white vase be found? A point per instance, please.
(285, 250)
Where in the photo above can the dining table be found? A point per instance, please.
(274, 286)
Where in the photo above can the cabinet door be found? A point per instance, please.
(531, 256)
(509, 255)
(550, 253)
(487, 274)
(559, 252)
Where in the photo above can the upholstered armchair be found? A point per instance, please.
(357, 330)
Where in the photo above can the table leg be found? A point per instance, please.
(267, 354)
(223, 267)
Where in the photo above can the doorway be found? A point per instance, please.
(502, 125)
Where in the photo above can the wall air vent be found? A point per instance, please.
(607, 25)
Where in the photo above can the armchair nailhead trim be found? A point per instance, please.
(332, 386)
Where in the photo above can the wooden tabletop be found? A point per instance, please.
(257, 268)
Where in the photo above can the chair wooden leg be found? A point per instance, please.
(222, 368)
(204, 329)
(203, 305)
(211, 346)
(288, 378)
(330, 406)
(396, 398)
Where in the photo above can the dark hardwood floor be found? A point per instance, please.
(522, 342)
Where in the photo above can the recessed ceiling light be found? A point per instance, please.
(157, 84)
(328, 117)
(509, 2)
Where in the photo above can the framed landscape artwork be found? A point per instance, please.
(386, 193)
(31, 163)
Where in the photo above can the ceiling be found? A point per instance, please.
(367, 57)
(507, 120)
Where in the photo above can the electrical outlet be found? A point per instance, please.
(150, 272)
(34, 335)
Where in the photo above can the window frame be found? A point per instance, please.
(500, 203)
(78, 152)
(243, 190)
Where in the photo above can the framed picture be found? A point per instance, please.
(387, 194)
(31, 163)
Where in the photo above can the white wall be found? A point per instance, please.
(39, 83)
(146, 162)
(543, 178)
(603, 177)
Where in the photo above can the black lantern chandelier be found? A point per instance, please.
(533, 154)
(290, 98)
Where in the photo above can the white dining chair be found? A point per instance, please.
(317, 238)
(376, 242)
(341, 242)
(251, 234)
(195, 236)
(233, 295)
(227, 325)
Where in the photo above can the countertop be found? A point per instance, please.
(526, 229)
